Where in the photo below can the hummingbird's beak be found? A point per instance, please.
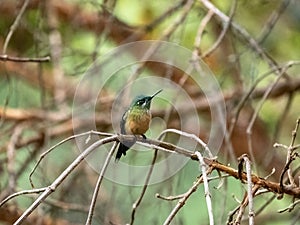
(156, 93)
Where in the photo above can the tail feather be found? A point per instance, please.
(123, 147)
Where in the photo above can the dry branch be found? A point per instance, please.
(163, 146)
(46, 123)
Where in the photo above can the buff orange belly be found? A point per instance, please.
(138, 124)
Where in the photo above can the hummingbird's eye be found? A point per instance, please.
(141, 102)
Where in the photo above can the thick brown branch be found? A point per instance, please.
(282, 88)
(256, 180)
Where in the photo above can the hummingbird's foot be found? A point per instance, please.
(144, 136)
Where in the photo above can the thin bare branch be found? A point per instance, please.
(243, 33)
(24, 59)
(182, 201)
(24, 192)
(224, 31)
(249, 185)
(139, 200)
(290, 207)
(204, 170)
(271, 22)
(191, 136)
(98, 184)
(63, 176)
(14, 26)
(42, 156)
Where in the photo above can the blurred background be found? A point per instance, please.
(252, 47)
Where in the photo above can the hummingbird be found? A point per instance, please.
(135, 121)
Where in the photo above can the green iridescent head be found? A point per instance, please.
(143, 101)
